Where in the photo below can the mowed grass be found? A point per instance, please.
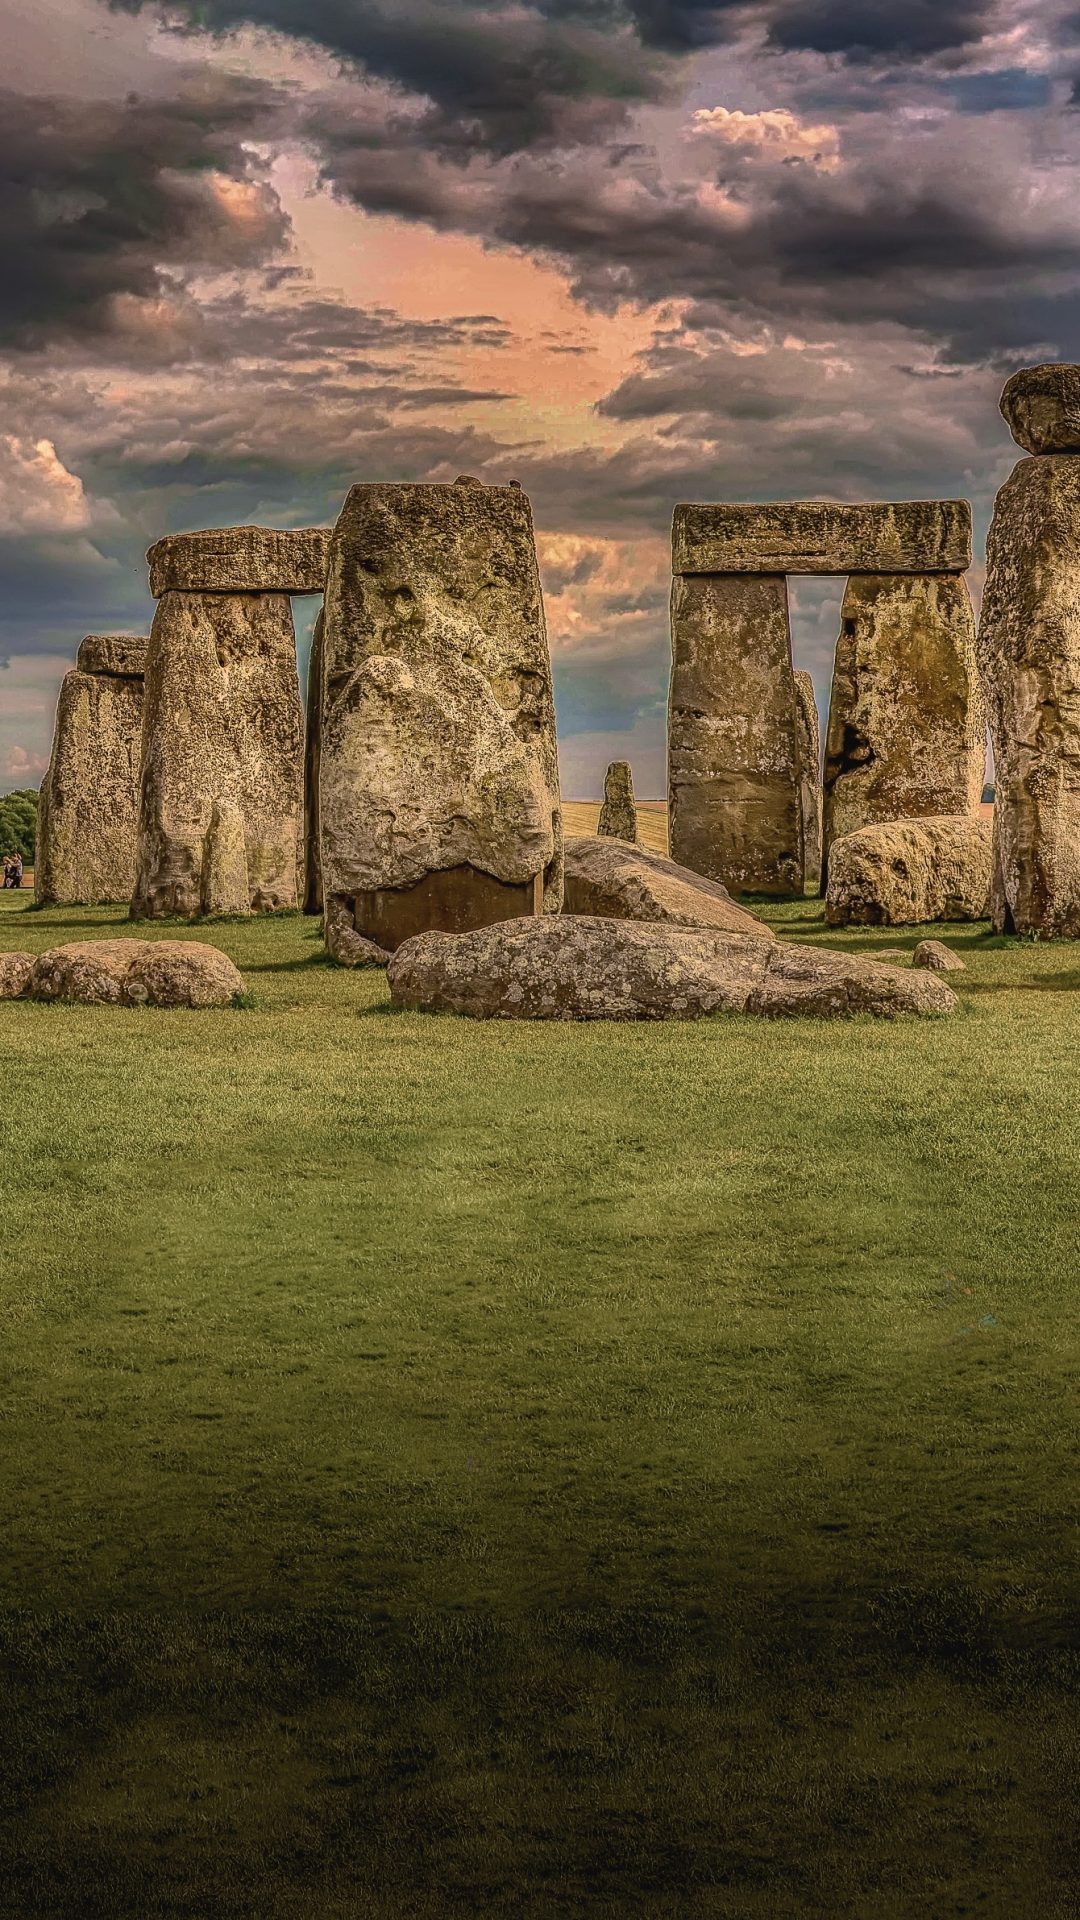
(481, 1469)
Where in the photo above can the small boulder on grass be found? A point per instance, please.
(937, 956)
(15, 971)
(136, 973)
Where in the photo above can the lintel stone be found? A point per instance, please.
(123, 654)
(823, 536)
(241, 560)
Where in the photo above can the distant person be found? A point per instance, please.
(13, 870)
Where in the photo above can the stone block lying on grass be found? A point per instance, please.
(618, 880)
(937, 956)
(579, 967)
(15, 971)
(124, 973)
(905, 872)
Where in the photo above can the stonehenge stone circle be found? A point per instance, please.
(618, 815)
(438, 801)
(1029, 656)
(809, 744)
(618, 880)
(1041, 406)
(240, 560)
(88, 804)
(823, 536)
(577, 968)
(733, 764)
(907, 729)
(905, 872)
(221, 811)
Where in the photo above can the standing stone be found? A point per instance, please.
(907, 730)
(438, 784)
(618, 815)
(1042, 408)
(1029, 653)
(313, 900)
(809, 738)
(88, 806)
(221, 790)
(733, 763)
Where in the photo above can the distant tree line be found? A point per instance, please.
(18, 822)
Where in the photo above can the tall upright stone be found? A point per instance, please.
(733, 761)
(88, 805)
(809, 740)
(906, 737)
(221, 810)
(313, 899)
(1029, 653)
(618, 815)
(438, 783)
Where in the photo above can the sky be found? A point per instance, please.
(626, 252)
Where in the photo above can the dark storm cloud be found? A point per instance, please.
(880, 29)
(97, 197)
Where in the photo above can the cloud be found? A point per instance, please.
(105, 206)
(858, 30)
(775, 132)
(37, 493)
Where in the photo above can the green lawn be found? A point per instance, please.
(453, 1468)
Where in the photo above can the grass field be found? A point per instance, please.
(467, 1469)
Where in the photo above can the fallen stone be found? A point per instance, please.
(1029, 657)
(223, 729)
(240, 560)
(808, 735)
(89, 800)
(15, 971)
(120, 653)
(134, 973)
(907, 725)
(937, 956)
(906, 872)
(1041, 406)
(823, 536)
(618, 815)
(733, 769)
(344, 944)
(581, 968)
(438, 800)
(617, 880)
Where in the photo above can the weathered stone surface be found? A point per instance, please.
(1029, 656)
(15, 971)
(907, 725)
(616, 880)
(618, 815)
(119, 653)
(733, 772)
(438, 769)
(579, 968)
(906, 872)
(1041, 406)
(808, 735)
(135, 973)
(240, 560)
(313, 900)
(937, 956)
(823, 536)
(344, 944)
(88, 805)
(223, 726)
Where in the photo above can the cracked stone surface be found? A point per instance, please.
(580, 968)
